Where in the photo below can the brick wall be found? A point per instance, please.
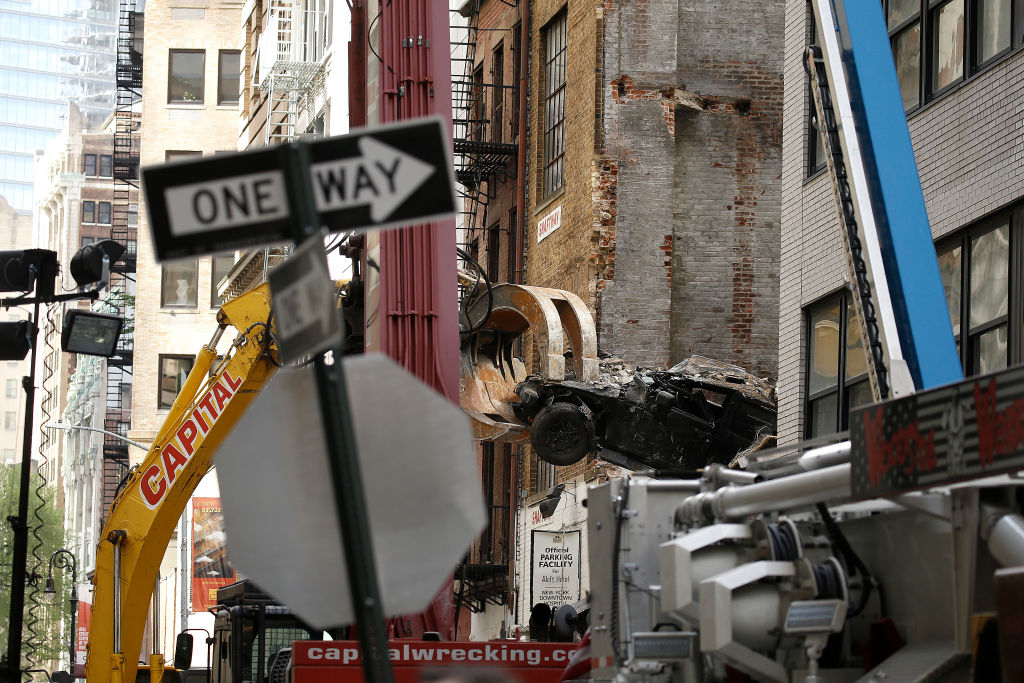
(206, 128)
(692, 104)
(969, 147)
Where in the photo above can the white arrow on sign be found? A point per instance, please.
(382, 177)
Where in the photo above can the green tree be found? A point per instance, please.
(46, 624)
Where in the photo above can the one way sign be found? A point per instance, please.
(373, 178)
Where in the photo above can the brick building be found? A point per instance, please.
(958, 91)
(650, 188)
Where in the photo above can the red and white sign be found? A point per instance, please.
(341, 661)
(550, 223)
(82, 622)
(210, 566)
(156, 481)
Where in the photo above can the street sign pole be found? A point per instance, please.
(341, 447)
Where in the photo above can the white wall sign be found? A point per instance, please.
(555, 575)
(549, 223)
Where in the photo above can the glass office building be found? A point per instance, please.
(52, 52)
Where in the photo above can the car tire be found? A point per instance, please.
(561, 434)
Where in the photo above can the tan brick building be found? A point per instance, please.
(189, 107)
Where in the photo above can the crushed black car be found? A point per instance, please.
(698, 412)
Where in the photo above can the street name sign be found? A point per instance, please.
(932, 438)
(305, 311)
(379, 177)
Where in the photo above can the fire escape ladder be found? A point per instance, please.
(123, 229)
(481, 156)
(291, 69)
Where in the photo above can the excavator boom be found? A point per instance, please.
(143, 515)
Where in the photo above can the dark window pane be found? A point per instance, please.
(823, 415)
(221, 266)
(89, 163)
(859, 395)
(824, 341)
(104, 213)
(856, 355)
(950, 268)
(179, 284)
(989, 276)
(906, 53)
(947, 44)
(989, 351)
(173, 371)
(88, 212)
(228, 77)
(106, 166)
(993, 28)
(900, 10)
(185, 83)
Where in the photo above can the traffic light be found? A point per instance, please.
(15, 339)
(20, 271)
(87, 264)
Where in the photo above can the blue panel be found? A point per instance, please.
(905, 237)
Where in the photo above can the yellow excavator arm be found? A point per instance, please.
(143, 515)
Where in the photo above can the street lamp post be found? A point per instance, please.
(63, 559)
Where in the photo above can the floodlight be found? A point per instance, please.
(94, 334)
(87, 264)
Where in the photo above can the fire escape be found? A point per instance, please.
(291, 68)
(483, 162)
(124, 229)
(290, 72)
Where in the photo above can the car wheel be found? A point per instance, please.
(561, 434)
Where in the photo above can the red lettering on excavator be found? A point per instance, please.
(221, 394)
(153, 495)
(232, 385)
(199, 419)
(186, 435)
(208, 404)
(173, 461)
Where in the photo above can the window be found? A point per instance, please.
(228, 75)
(937, 43)
(554, 104)
(89, 164)
(221, 267)
(10, 420)
(103, 213)
(476, 117)
(498, 92)
(88, 212)
(106, 166)
(837, 376)
(178, 286)
(11, 388)
(517, 37)
(815, 147)
(493, 251)
(185, 81)
(87, 241)
(976, 274)
(173, 371)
